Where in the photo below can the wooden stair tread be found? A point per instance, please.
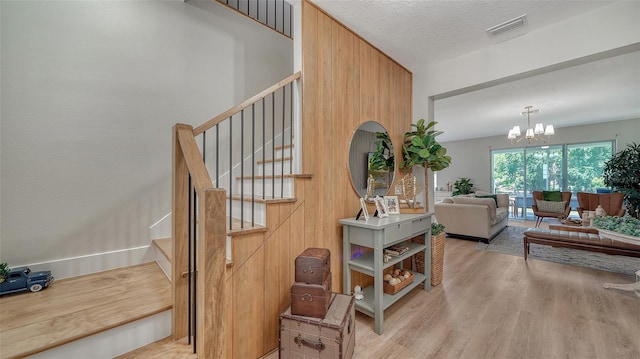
(272, 160)
(164, 348)
(259, 199)
(164, 245)
(276, 176)
(74, 308)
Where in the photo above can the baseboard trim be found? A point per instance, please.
(96, 262)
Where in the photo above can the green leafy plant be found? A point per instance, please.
(382, 158)
(625, 225)
(462, 185)
(436, 228)
(421, 148)
(622, 173)
(4, 271)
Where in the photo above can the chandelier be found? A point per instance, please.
(536, 133)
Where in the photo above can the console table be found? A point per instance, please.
(378, 234)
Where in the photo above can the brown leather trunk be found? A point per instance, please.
(311, 300)
(332, 337)
(313, 266)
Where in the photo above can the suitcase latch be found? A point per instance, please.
(317, 345)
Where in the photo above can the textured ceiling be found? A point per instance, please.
(422, 33)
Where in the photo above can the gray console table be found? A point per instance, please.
(378, 234)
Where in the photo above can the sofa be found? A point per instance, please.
(477, 216)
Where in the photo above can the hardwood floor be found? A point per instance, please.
(492, 305)
(74, 308)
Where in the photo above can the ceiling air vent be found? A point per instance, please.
(507, 25)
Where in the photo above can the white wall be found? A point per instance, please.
(471, 158)
(90, 91)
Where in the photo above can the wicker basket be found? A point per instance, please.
(437, 257)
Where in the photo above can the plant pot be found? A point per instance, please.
(437, 257)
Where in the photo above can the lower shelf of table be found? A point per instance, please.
(365, 305)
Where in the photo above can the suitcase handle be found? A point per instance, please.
(319, 345)
(306, 297)
(309, 270)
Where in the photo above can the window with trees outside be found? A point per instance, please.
(566, 167)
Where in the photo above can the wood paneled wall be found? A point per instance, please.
(346, 82)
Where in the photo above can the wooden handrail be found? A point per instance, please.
(235, 109)
(193, 157)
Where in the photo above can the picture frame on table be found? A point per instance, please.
(381, 207)
(363, 206)
(392, 203)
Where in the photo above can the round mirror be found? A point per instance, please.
(371, 160)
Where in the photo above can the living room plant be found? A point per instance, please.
(420, 148)
(622, 173)
(462, 185)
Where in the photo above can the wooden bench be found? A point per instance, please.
(579, 240)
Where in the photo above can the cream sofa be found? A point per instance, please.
(468, 216)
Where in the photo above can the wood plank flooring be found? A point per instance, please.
(492, 305)
(74, 308)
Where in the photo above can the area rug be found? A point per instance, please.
(509, 241)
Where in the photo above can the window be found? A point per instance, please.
(568, 167)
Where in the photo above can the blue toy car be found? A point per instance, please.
(21, 278)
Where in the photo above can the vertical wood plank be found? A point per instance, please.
(211, 275)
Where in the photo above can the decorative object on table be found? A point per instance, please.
(600, 212)
(438, 239)
(358, 293)
(420, 148)
(396, 250)
(331, 337)
(409, 189)
(395, 281)
(311, 291)
(532, 133)
(462, 185)
(622, 173)
(393, 206)
(22, 278)
(381, 207)
(363, 210)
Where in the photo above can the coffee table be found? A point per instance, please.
(555, 224)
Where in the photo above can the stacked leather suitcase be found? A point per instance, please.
(311, 292)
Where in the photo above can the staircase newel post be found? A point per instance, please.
(180, 235)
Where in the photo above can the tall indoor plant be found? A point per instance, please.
(622, 173)
(420, 148)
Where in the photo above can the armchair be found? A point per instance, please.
(540, 214)
(611, 202)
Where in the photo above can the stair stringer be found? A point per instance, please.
(258, 284)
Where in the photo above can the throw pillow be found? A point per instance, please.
(551, 206)
(555, 196)
(495, 198)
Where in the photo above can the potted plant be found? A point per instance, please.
(622, 173)
(420, 148)
(462, 185)
(437, 253)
